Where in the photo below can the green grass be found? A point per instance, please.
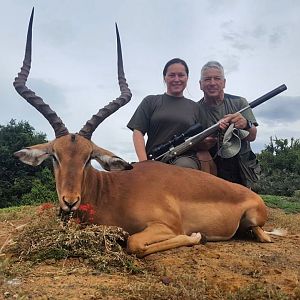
(288, 204)
(16, 212)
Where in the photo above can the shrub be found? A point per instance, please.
(43, 190)
(278, 184)
(280, 164)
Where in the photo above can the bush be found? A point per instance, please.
(42, 190)
(16, 178)
(280, 164)
(280, 184)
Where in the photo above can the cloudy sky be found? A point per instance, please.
(74, 58)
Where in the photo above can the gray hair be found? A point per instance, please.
(213, 64)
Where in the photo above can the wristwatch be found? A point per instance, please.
(249, 125)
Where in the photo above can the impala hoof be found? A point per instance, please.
(196, 237)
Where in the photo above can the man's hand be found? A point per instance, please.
(239, 121)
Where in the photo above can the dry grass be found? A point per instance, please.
(186, 287)
(291, 222)
(47, 238)
(44, 245)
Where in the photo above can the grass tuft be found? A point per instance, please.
(259, 291)
(47, 238)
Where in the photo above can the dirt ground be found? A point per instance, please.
(217, 270)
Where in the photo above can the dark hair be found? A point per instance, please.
(175, 61)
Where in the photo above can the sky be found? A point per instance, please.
(74, 59)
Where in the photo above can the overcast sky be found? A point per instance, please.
(74, 58)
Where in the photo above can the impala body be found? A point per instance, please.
(161, 206)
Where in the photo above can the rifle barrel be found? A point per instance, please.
(268, 95)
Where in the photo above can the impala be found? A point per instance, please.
(160, 205)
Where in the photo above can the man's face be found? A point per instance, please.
(212, 83)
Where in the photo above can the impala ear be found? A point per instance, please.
(109, 161)
(113, 163)
(34, 155)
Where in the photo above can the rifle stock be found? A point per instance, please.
(192, 141)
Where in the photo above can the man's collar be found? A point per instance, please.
(212, 102)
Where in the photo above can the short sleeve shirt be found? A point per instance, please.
(210, 115)
(163, 116)
(231, 104)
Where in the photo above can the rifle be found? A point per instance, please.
(175, 141)
(177, 149)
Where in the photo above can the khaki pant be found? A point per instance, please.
(188, 161)
(203, 161)
(207, 163)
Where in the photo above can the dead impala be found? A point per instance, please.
(161, 206)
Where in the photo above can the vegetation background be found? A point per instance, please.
(21, 184)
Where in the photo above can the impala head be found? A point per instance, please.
(71, 153)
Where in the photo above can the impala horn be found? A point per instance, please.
(36, 101)
(113, 106)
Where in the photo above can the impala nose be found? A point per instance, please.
(70, 204)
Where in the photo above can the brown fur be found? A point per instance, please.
(161, 206)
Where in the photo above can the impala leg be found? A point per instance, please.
(158, 237)
(261, 235)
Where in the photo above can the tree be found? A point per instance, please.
(16, 178)
(280, 163)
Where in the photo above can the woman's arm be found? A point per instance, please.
(139, 144)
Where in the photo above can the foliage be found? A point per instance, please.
(42, 190)
(278, 183)
(46, 237)
(280, 163)
(16, 178)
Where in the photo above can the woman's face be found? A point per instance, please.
(176, 79)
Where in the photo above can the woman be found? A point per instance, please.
(162, 117)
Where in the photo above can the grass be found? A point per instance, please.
(288, 204)
(186, 287)
(44, 239)
(16, 212)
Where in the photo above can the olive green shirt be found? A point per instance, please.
(163, 116)
(210, 115)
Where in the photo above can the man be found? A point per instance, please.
(217, 106)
